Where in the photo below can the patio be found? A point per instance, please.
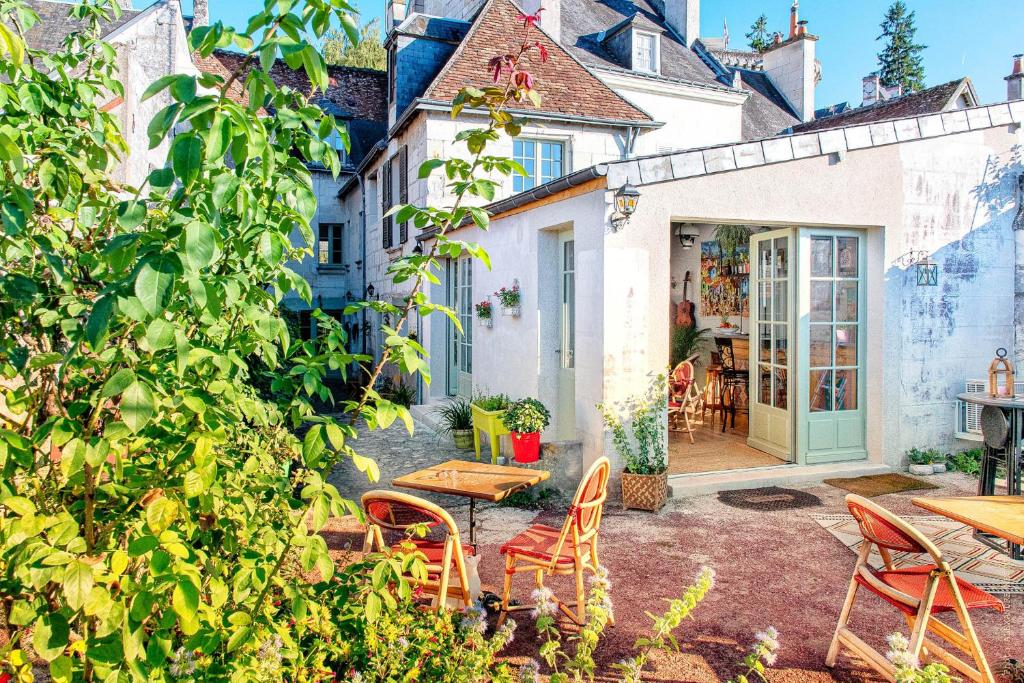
(778, 568)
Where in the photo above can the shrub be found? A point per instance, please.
(918, 456)
(494, 402)
(526, 416)
(643, 451)
(968, 462)
(455, 415)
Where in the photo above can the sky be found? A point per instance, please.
(975, 38)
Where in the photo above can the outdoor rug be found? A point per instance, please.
(769, 499)
(986, 568)
(880, 484)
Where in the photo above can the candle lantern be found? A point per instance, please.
(1000, 376)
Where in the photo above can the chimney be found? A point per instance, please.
(794, 19)
(1015, 81)
(684, 17)
(871, 89)
(792, 67)
(550, 18)
(394, 14)
(200, 13)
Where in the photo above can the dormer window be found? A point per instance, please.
(645, 52)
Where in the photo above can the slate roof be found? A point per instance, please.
(585, 23)
(565, 86)
(358, 96)
(765, 112)
(929, 101)
(54, 24)
(438, 28)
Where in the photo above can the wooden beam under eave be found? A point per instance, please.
(583, 188)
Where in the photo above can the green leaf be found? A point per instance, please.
(238, 638)
(313, 446)
(160, 514)
(187, 157)
(200, 244)
(19, 505)
(77, 583)
(158, 85)
(142, 545)
(480, 217)
(153, 284)
(51, 636)
(225, 187)
(117, 383)
(60, 670)
(131, 214)
(185, 599)
(428, 167)
(98, 322)
(184, 88)
(159, 334)
(137, 405)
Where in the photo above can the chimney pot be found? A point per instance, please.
(794, 13)
(802, 28)
(1018, 64)
(1015, 81)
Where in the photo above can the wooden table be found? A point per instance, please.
(999, 516)
(473, 480)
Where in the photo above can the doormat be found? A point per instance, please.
(880, 484)
(769, 499)
(972, 561)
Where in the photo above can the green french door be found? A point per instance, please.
(772, 290)
(832, 339)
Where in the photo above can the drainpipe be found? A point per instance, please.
(1018, 275)
(362, 256)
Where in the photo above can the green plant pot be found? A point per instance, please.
(489, 421)
(463, 439)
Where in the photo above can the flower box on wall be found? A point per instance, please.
(485, 322)
(644, 491)
(514, 311)
(510, 300)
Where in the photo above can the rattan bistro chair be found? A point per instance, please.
(918, 592)
(399, 512)
(544, 550)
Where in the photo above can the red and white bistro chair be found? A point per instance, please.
(543, 550)
(398, 512)
(919, 592)
(685, 399)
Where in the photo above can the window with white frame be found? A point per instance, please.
(543, 160)
(465, 297)
(645, 52)
(329, 251)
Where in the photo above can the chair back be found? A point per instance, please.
(400, 512)
(887, 531)
(725, 353)
(681, 379)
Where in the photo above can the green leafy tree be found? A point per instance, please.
(900, 59)
(759, 37)
(367, 52)
(149, 528)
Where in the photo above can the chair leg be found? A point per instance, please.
(923, 613)
(844, 618)
(581, 596)
(969, 634)
(460, 568)
(689, 426)
(446, 569)
(506, 592)
(368, 540)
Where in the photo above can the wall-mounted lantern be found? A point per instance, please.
(927, 273)
(686, 239)
(626, 199)
(369, 291)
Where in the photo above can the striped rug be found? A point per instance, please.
(972, 561)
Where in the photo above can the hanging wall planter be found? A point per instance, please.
(485, 313)
(510, 299)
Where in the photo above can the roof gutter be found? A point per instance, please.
(540, 192)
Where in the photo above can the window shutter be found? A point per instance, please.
(388, 221)
(403, 185)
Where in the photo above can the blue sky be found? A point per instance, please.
(976, 38)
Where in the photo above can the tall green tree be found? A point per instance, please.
(367, 53)
(758, 36)
(900, 60)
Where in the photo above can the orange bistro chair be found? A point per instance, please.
(919, 592)
(545, 550)
(684, 398)
(399, 512)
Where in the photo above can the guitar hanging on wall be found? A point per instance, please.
(686, 308)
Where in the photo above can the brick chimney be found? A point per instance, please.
(684, 17)
(1015, 81)
(200, 13)
(792, 67)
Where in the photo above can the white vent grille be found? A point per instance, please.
(968, 415)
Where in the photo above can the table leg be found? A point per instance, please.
(472, 522)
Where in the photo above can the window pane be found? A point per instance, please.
(764, 372)
(765, 302)
(848, 256)
(781, 389)
(846, 345)
(846, 390)
(781, 344)
(336, 245)
(846, 301)
(820, 346)
(781, 257)
(765, 258)
(821, 301)
(821, 257)
(781, 301)
(764, 342)
(821, 391)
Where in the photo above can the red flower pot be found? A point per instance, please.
(526, 447)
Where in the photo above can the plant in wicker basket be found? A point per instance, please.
(638, 438)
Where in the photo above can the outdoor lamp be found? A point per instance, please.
(369, 291)
(927, 273)
(686, 240)
(626, 199)
(418, 249)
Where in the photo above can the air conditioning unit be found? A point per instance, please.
(968, 415)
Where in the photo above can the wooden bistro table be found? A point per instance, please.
(473, 480)
(998, 516)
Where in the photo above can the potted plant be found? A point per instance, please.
(510, 300)
(645, 476)
(483, 313)
(730, 238)
(687, 341)
(920, 462)
(525, 420)
(488, 413)
(938, 462)
(457, 419)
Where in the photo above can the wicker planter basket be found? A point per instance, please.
(644, 491)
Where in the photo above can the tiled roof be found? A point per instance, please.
(358, 96)
(586, 22)
(565, 86)
(55, 25)
(928, 101)
(765, 112)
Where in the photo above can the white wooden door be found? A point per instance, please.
(771, 360)
(567, 336)
(452, 332)
(460, 345)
